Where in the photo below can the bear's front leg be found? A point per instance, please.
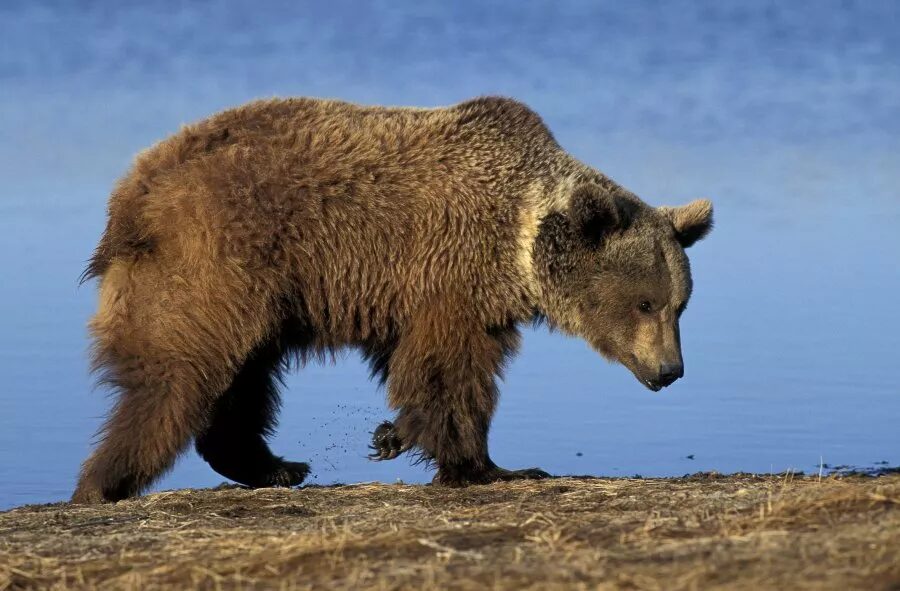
(442, 379)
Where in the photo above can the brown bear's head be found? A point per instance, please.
(612, 270)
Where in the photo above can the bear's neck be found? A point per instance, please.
(547, 194)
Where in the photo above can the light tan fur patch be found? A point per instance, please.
(539, 200)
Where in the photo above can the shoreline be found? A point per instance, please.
(705, 530)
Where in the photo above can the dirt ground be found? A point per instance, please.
(698, 532)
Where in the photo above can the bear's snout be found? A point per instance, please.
(666, 375)
(669, 372)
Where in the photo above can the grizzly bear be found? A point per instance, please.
(287, 229)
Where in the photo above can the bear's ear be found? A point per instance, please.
(594, 212)
(691, 222)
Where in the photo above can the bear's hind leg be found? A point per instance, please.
(162, 403)
(168, 360)
(234, 443)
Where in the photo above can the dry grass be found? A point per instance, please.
(736, 532)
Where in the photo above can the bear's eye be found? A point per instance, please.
(645, 307)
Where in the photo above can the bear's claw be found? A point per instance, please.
(525, 474)
(386, 443)
(494, 474)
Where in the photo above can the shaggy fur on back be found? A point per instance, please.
(292, 228)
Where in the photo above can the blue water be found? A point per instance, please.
(785, 114)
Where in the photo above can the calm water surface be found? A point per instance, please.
(785, 114)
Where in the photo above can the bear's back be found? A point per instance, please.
(398, 205)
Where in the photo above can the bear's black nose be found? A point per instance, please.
(669, 372)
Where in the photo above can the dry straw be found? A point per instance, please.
(707, 531)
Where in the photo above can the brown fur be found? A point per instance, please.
(292, 228)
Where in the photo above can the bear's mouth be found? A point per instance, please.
(634, 366)
(652, 385)
(630, 362)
